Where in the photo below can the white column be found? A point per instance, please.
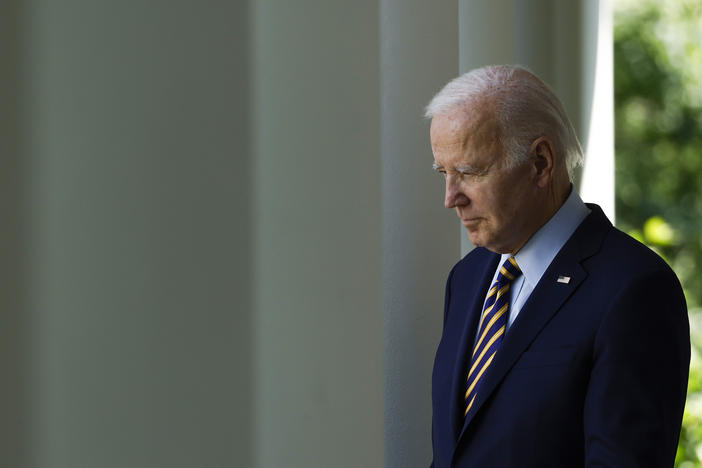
(597, 183)
(419, 54)
(137, 230)
(319, 338)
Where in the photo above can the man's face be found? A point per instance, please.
(496, 203)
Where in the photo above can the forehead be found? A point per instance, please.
(464, 133)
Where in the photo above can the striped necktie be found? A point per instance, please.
(493, 324)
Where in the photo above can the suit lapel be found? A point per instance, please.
(544, 302)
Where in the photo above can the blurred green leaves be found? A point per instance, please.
(658, 232)
(658, 144)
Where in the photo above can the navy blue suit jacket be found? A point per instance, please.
(592, 372)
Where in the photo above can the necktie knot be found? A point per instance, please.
(508, 271)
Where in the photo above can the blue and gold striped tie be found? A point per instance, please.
(493, 324)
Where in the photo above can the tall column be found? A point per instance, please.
(419, 54)
(138, 227)
(319, 340)
(597, 181)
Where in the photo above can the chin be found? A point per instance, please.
(475, 239)
(478, 241)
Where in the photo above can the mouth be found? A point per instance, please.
(469, 221)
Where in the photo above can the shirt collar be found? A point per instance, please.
(539, 251)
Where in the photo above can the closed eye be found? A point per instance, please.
(471, 171)
(460, 171)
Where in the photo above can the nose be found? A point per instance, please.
(454, 193)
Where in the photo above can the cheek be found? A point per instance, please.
(517, 202)
(496, 204)
(503, 206)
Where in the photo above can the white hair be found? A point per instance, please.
(524, 106)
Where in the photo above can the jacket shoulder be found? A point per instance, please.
(628, 255)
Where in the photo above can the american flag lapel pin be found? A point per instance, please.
(563, 279)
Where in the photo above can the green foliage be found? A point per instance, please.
(658, 134)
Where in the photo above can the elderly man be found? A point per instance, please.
(565, 342)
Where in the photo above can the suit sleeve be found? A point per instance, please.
(447, 300)
(638, 382)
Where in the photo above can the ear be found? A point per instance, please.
(544, 160)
